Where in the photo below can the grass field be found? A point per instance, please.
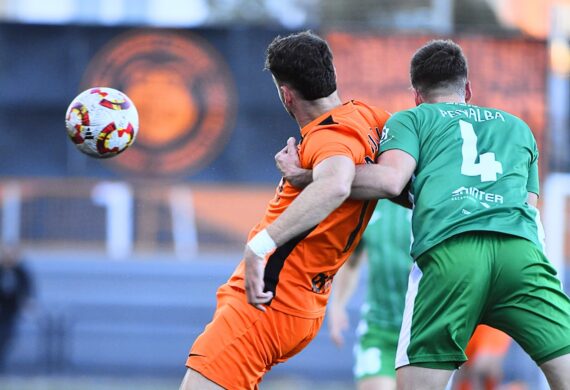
(104, 383)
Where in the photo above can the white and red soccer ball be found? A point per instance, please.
(102, 122)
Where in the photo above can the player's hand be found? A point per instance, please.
(288, 163)
(338, 323)
(254, 270)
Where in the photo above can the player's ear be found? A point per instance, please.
(418, 97)
(468, 92)
(286, 95)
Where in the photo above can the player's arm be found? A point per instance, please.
(330, 188)
(345, 282)
(404, 199)
(386, 179)
(332, 178)
(372, 181)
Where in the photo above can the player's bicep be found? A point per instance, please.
(338, 168)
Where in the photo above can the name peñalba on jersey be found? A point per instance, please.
(475, 167)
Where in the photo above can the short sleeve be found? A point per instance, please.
(324, 143)
(532, 184)
(400, 133)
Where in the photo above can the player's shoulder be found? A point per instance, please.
(408, 116)
(503, 116)
(512, 117)
(351, 117)
(371, 112)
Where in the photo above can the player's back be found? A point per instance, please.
(300, 272)
(475, 166)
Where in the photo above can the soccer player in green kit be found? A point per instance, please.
(477, 235)
(385, 245)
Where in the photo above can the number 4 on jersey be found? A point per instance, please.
(487, 167)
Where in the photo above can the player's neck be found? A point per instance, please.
(454, 98)
(311, 110)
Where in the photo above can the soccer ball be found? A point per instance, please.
(102, 122)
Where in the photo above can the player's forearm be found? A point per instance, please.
(312, 205)
(365, 186)
(375, 181)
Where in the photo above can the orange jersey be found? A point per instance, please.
(300, 272)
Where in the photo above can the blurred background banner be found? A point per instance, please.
(187, 86)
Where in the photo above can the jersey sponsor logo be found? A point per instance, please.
(321, 283)
(374, 138)
(477, 198)
(385, 136)
(474, 113)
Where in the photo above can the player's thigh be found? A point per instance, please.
(528, 302)
(377, 383)
(375, 352)
(242, 343)
(447, 291)
(421, 378)
(231, 351)
(557, 372)
(295, 334)
(193, 380)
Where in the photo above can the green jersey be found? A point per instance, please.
(475, 167)
(387, 241)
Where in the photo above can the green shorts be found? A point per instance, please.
(375, 351)
(482, 277)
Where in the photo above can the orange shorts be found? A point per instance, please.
(242, 343)
(487, 340)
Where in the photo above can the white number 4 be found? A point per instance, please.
(487, 167)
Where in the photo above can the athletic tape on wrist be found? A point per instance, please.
(262, 243)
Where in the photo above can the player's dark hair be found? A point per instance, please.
(304, 61)
(439, 65)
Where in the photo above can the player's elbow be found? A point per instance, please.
(394, 186)
(340, 191)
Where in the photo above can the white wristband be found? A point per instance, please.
(262, 244)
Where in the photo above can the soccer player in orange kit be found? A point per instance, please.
(274, 303)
